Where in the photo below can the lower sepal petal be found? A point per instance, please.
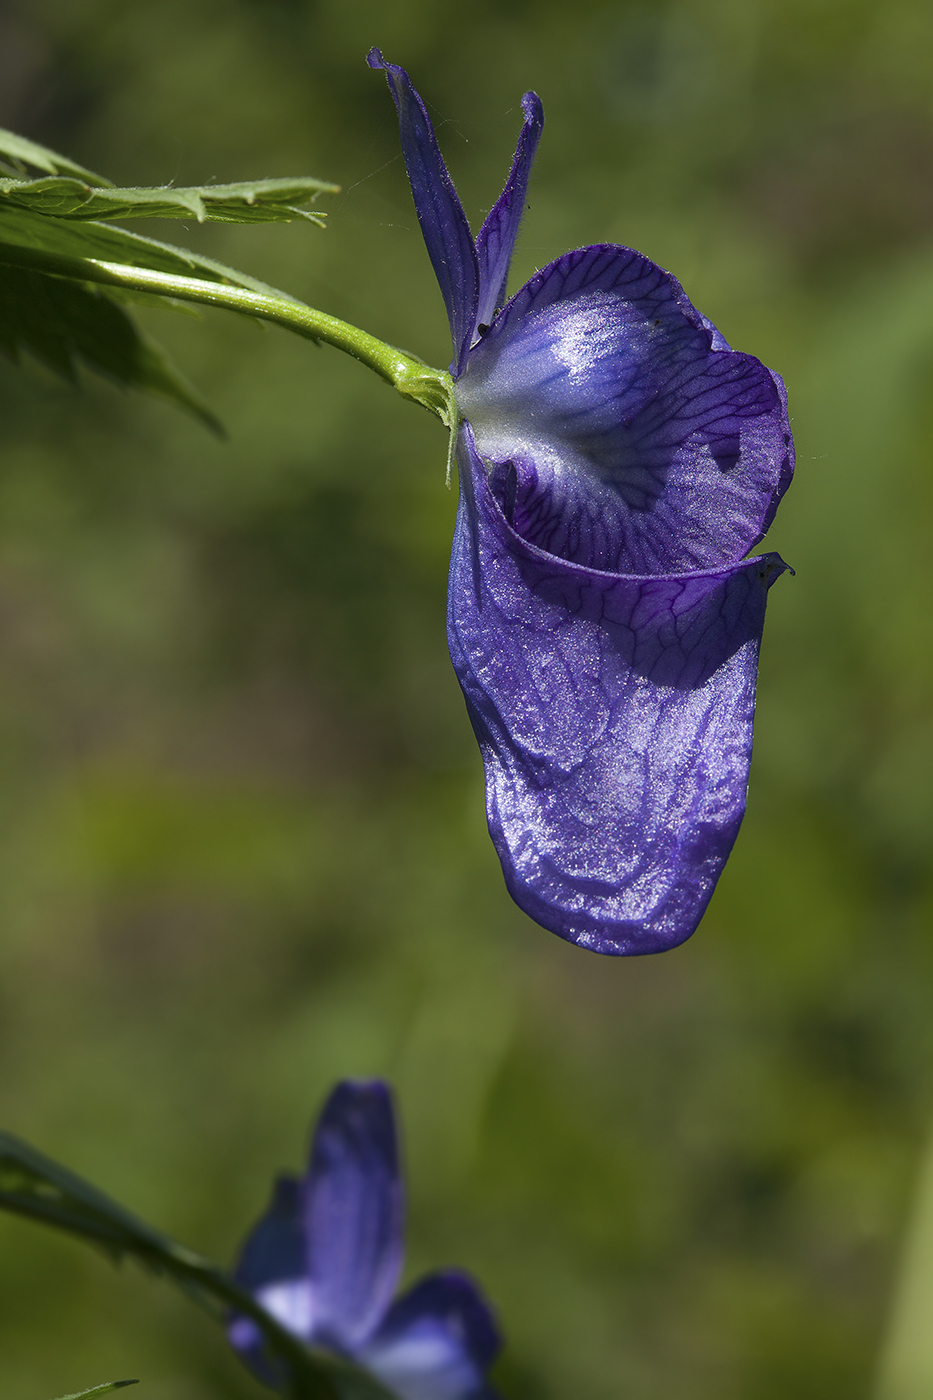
(614, 715)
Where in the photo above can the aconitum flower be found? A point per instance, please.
(617, 462)
(325, 1260)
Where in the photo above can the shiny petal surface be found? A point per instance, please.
(437, 1342)
(443, 223)
(496, 239)
(614, 715)
(353, 1214)
(630, 439)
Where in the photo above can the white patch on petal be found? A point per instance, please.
(425, 1363)
(291, 1303)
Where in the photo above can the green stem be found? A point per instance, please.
(433, 388)
(905, 1370)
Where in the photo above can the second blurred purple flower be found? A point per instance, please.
(326, 1257)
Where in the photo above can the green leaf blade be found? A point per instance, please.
(248, 202)
(22, 153)
(67, 326)
(51, 224)
(96, 1390)
(22, 228)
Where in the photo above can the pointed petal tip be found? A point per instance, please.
(443, 223)
(496, 239)
(533, 108)
(770, 568)
(359, 1090)
(364, 1110)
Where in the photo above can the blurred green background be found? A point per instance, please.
(242, 846)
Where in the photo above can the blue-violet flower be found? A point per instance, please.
(326, 1257)
(617, 462)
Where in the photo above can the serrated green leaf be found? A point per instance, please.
(104, 1389)
(22, 153)
(25, 229)
(66, 324)
(251, 201)
(34, 1186)
(47, 223)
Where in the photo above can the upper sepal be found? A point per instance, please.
(495, 241)
(443, 223)
(353, 1213)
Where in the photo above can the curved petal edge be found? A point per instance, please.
(437, 1341)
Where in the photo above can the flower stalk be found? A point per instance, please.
(432, 388)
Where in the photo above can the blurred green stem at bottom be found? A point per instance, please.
(96, 1390)
(906, 1366)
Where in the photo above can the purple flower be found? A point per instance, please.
(617, 462)
(325, 1260)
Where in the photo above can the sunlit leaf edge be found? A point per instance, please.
(247, 201)
(95, 1390)
(77, 239)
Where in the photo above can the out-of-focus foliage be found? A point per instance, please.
(241, 833)
(17, 153)
(70, 325)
